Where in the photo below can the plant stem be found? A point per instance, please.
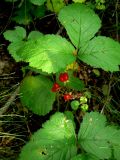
(58, 102)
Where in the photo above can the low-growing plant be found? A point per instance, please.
(57, 140)
(27, 10)
(55, 59)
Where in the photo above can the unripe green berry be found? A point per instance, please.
(84, 107)
(83, 100)
(75, 104)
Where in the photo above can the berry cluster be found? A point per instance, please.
(63, 77)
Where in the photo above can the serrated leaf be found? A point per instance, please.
(92, 124)
(80, 22)
(56, 140)
(34, 35)
(51, 53)
(113, 136)
(36, 94)
(96, 137)
(84, 157)
(18, 34)
(14, 47)
(117, 152)
(101, 52)
(38, 2)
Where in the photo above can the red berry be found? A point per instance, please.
(55, 87)
(67, 97)
(63, 77)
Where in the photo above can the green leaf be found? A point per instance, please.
(36, 94)
(55, 141)
(79, 1)
(22, 18)
(14, 47)
(69, 115)
(79, 157)
(51, 53)
(16, 37)
(74, 82)
(17, 44)
(90, 127)
(117, 151)
(55, 5)
(22, 15)
(96, 138)
(84, 157)
(39, 11)
(18, 34)
(38, 2)
(101, 52)
(112, 134)
(34, 35)
(80, 22)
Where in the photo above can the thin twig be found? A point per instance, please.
(10, 101)
(12, 97)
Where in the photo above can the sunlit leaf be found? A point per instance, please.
(55, 141)
(51, 53)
